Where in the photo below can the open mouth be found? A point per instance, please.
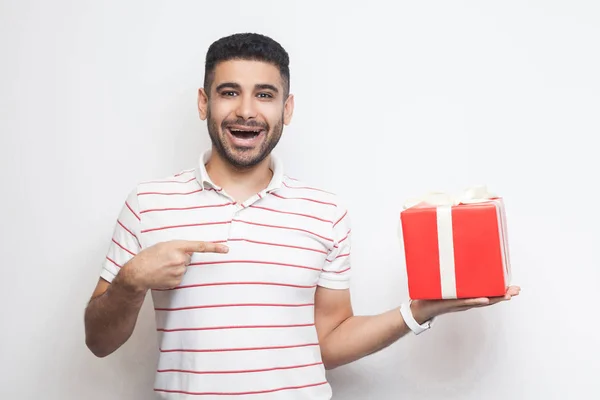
(244, 133)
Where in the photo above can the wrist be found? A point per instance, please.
(421, 312)
(414, 317)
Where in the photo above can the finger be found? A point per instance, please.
(513, 290)
(202, 247)
(463, 304)
(179, 259)
(498, 299)
(474, 302)
(448, 305)
(174, 283)
(179, 271)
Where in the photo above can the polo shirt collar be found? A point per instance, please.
(276, 166)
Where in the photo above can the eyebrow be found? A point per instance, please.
(229, 85)
(237, 86)
(266, 86)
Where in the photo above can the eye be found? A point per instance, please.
(228, 93)
(263, 95)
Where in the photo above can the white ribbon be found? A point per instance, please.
(474, 194)
(444, 203)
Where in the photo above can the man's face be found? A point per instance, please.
(245, 110)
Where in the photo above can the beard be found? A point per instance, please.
(238, 156)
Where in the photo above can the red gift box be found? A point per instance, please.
(456, 248)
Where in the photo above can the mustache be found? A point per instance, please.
(242, 122)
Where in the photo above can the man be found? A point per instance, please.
(248, 268)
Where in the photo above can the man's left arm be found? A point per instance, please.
(344, 337)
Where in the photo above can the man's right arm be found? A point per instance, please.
(128, 273)
(112, 311)
(111, 315)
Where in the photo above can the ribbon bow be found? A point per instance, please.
(474, 194)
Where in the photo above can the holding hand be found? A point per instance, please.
(163, 265)
(424, 310)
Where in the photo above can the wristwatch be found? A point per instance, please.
(410, 320)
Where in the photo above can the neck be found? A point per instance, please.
(240, 183)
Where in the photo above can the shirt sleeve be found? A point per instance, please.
(336, 271)
(125, 240)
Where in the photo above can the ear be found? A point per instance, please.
(288, 109)
(202, 104)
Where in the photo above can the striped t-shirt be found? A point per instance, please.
(240, 324)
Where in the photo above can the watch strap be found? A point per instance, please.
(410, 321)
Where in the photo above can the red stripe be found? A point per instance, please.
(239, 283)
(284, 227)
(240, 393)
(338, 272)
(342, 255)
(291, 213)
(238, 349)
(113, 261)
(339, 256)
(338, 221)
(234, 305)
(131, 233)
(345, 237)
(121, 246)
(305, 187)
(133, 212)
(278, 244)
(184, 226)
(188, 181)
(252, 262)
(247, 371)
(185, 208)
(303, 198)
(170, 193)
(214, 328)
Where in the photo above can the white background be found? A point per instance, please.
(393, 100)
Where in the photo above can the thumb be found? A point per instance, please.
(192, 246)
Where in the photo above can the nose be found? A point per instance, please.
(246, 107)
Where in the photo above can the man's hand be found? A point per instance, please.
(163, 265)
(424, 310)
(345, 338)
(111, 315)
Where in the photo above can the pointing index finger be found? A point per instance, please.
(203, 247)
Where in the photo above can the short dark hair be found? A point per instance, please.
(247, 46)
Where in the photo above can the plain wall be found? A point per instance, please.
(393, 100)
